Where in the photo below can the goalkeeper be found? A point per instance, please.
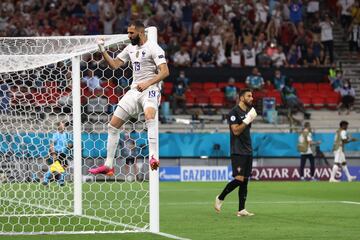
(58, 160)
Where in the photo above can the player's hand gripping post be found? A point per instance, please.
(101, 44)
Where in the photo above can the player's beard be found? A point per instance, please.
(248, 104)
(135, 40)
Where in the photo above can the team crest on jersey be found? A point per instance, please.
(137, 54)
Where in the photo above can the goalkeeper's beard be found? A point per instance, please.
(248, 104)
(135, 40)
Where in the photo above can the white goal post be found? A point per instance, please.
(43, 83)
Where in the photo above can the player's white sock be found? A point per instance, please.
(347, 173)
(152, 136)
(335, 169)
(112, 142)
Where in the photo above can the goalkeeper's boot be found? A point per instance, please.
(47, 177)
(61, 180)
(154, 163)
(218, 204)
(102, 170)
(244, 213)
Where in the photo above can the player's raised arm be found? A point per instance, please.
(114, 63)
(163, 73)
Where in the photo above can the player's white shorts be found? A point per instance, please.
(134, 102)
(339, 156)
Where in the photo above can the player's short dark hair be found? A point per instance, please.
(243, 91)
(343, 123)
(137, 24)
(306, 124)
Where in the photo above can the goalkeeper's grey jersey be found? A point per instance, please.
(145, 60)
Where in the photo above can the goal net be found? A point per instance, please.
(52, 84)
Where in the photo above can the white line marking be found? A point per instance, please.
(61, 213)
(35, 215)
(250, 202)
(350, 202)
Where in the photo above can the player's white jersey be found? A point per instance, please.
(144, 60)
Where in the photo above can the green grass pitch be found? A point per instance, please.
(284, 210)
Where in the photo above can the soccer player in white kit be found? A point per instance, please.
(341, 138)
(149, 69)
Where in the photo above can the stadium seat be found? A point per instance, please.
(217, 101)
(311, 87)
(325, 87)
(275, 94)
(202, 100)
(190, 98)
(168, 88)
(298, 85)
(196, 85)
(306, 101)
(210, 86)
(221, 85)
(318, 102)
(240, 85)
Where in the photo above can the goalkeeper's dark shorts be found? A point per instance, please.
(241, 165)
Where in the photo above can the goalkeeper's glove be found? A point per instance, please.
(101, 44)
(250, 116)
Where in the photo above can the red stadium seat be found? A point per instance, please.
(190, 99)
(240, 85)
(324, 87)
(202, 100)
(221, 85)
(277, 95)
(217, 101)
(311, 86)
(210, 86)
(298, 85)
(318, 102)
(306, 101)
(196, 85)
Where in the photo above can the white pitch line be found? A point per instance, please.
(62, 213)
(350, 202)
(36, 215)
(250, 202)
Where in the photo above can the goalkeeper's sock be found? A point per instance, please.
(61, 180)
(242, 194)
(112, 143)
(152, 137)
(229, 188)
(47, 177)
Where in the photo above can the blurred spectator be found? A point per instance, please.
(182, 58)
(311, 60)
(130, 152)
(347, 97)
(296, 11)
(293, 56)
(187, 12)
(236, 56)
(279, 58)
(263, 60)
(279, 80)
(255, 81)
(230, 92)
(206, 57)
(327, 36)
(337, 81)
(249, 55)
(345, 13)
(312, 10)
(292, 101)
(354, 37)
(178, 96)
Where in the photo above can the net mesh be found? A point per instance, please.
(35, 95)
